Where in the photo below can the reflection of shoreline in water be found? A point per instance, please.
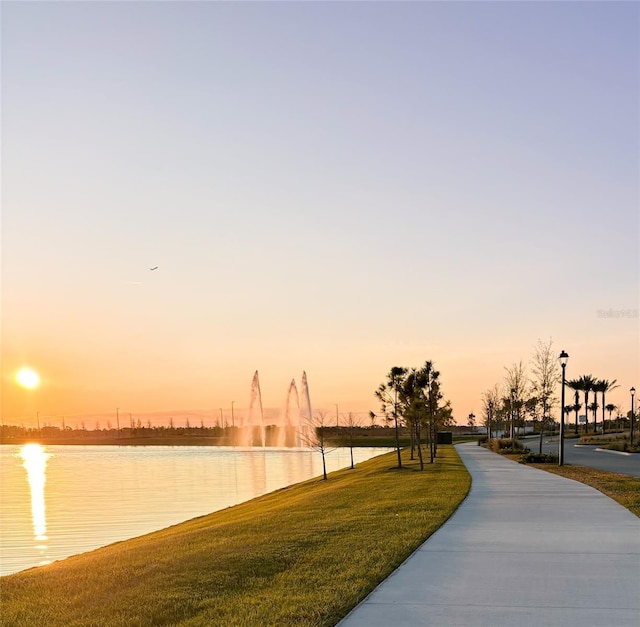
(35, 460)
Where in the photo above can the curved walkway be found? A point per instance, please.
(525, 548)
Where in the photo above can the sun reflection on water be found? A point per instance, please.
(35, 460)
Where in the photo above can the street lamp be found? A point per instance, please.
(563, 362)
(633, 393)
(233, 420)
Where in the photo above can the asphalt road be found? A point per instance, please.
(589, 456)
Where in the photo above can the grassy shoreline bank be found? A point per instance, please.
(304, 555)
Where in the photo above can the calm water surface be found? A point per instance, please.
(58, 501)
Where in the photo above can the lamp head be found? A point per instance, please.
(563, 359)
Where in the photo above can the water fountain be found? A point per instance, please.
(306, 415)
(291, 428)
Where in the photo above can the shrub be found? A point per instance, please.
(506, 445)
(539, 458)
(623, 446)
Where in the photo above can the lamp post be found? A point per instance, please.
(233, 420)
(489, 421)
(633, 393)
(563, 362)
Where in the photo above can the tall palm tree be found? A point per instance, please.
(604, 386)
(587, 382)
(576, 386)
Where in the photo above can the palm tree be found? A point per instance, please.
(594, 408)
(587, 381)
(568, 409)
(610, 407)
(604, 386)
(576, 385)
(577, 407)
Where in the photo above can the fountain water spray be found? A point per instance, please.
(287, 434)
(256, 399)
(306, 415)
(291, 428)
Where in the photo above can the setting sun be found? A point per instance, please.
(28, 378)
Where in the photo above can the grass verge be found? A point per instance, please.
(302, 556)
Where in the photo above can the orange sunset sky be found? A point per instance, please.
(337, 188)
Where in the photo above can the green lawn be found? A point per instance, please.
(301, 556)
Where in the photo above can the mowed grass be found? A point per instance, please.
(304, 555)
(621, 488)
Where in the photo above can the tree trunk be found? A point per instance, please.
(413, 440)
(351, 445)
(541, 435)
(419, 446)
(586, 409)
(432, 443)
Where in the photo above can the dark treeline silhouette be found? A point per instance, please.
(155, 435)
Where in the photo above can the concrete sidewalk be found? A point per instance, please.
(526, 548)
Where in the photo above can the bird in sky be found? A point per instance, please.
(154, 268)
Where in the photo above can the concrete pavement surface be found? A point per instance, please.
(526, 548)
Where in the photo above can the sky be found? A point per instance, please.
(329, 187)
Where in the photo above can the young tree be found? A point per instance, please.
(387, 394)
(532, 407)
(352, 422)
(517, 384)
(546, 373)
(412, 402)
(437, 415)
(490, 408)
(471, 421)
(316, 439)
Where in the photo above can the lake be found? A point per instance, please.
(58, 501)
